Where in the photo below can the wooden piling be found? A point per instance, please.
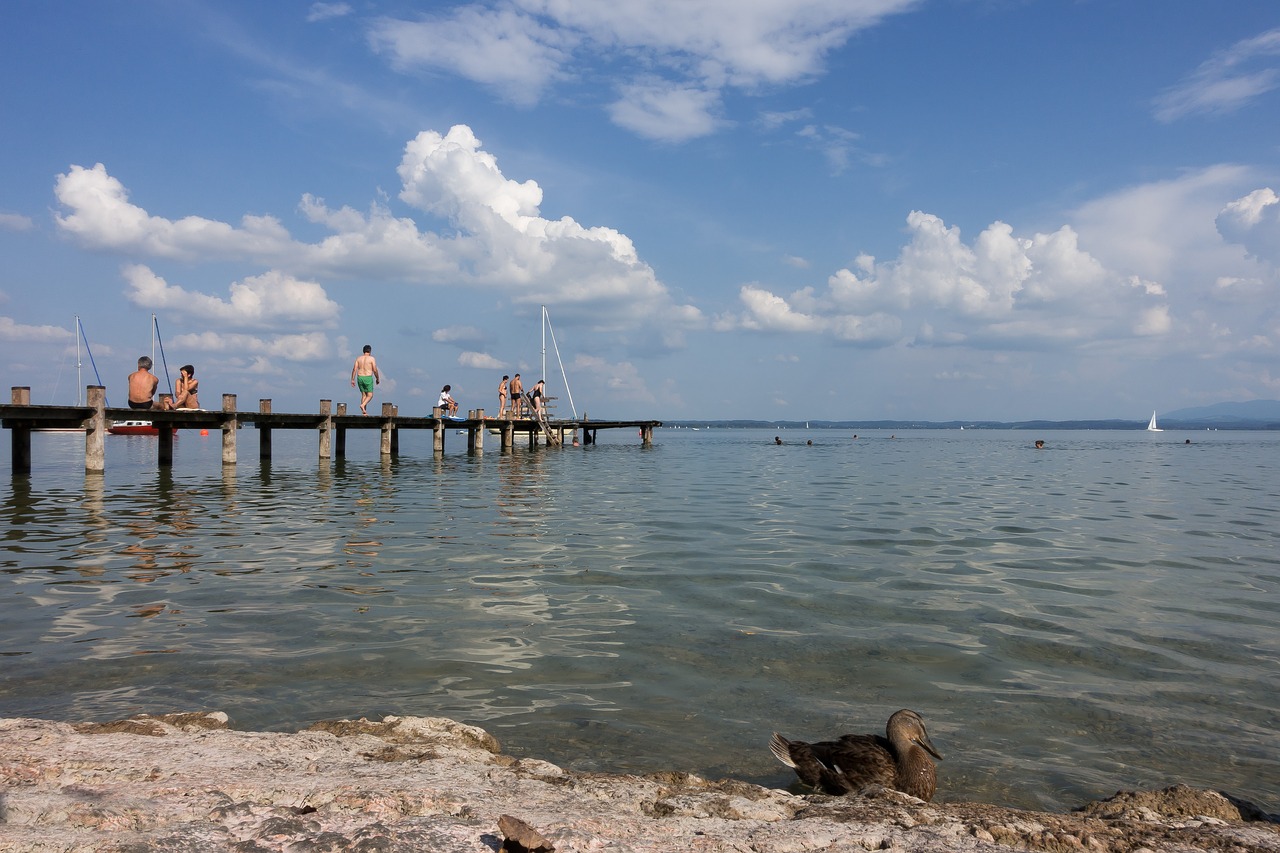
(264, 432)
(475, 434)
(95, 436)
(164, 447)
(438, 429)
(340, 435)
(326, 429)
(229, 427)
(388, 427)
(20, 439)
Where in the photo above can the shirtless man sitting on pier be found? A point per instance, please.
(142, 385)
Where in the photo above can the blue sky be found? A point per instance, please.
(808, 209)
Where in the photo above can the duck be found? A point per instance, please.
(899, 760)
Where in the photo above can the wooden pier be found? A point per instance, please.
(21, 418)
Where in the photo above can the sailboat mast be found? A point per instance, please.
(564, 377)
(79, 384)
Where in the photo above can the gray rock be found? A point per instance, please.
(188, 783)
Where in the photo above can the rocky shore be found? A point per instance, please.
(188, 783)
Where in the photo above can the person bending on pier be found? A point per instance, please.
(537, 395)
(142, 385)
(446, 402)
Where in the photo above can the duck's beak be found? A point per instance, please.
(924, 741)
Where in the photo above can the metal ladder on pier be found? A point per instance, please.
(540, 414)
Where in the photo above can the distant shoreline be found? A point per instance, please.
(1165, 425)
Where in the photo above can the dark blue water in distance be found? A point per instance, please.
(1098, 615)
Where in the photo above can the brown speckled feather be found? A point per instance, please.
(900, 761)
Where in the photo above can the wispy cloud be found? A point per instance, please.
(327, 11)
(505, 49)
(671, 60)
(1227, 81)
(11, 330)
(15, 222)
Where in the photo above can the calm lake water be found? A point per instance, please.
(1097, 615)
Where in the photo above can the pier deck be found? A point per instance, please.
(21, 419)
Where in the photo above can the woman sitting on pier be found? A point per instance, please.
(447, 402)
(187, 394)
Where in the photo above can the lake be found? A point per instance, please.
(1097, 615)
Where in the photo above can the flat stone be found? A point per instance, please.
(189, 783)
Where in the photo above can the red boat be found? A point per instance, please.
(135, 428)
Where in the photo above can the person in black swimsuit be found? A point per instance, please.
(537, 395)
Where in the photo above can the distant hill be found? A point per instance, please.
(1255, 414)
(1252, 411)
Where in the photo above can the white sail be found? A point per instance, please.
(1151, 427)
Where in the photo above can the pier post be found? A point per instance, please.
(646, 435)
(438, 430)
(508, 435)
(229, 427)
(340, 437)
(388, 427)
(164, 446)
(475, 435)
(95, 434)
(339, 434)
(264, 432)
(20, 439)
(326, 428)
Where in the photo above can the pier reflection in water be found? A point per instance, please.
(1096, 615)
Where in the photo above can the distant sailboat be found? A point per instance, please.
(1151, 427)
(79, 336)
(139, 426)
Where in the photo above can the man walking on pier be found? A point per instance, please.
(364, 375)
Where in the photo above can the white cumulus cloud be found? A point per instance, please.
(263, 301)
(1253, 221)
(102, 217)
(497, 239)
(1001, 291)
